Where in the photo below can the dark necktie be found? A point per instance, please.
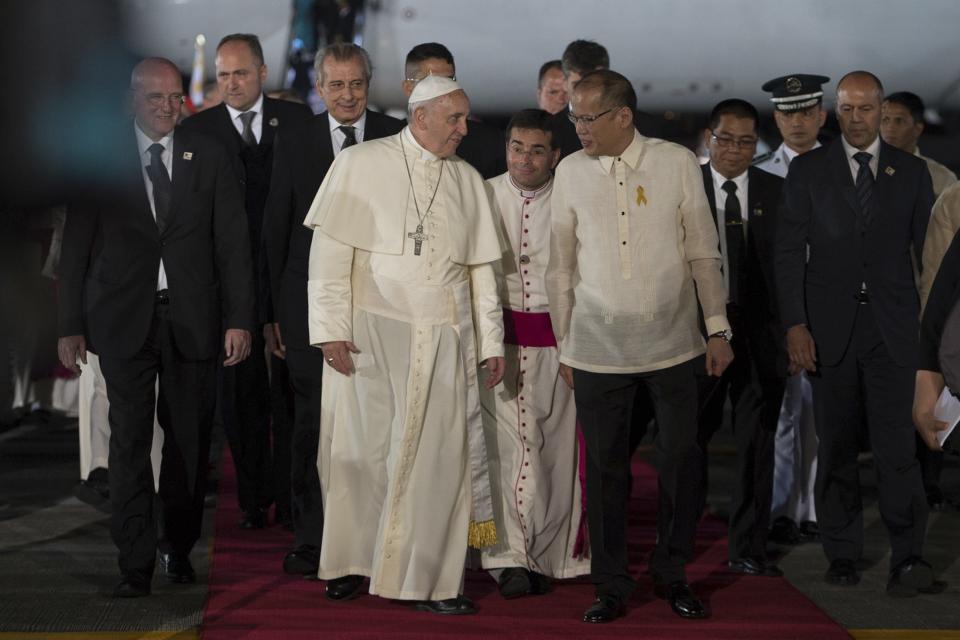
(247, 134)
(349, 136)
(864, 186)
(162, 188)
(733, 224)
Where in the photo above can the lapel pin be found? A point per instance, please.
(641, 196)
(889, 171)
(188, 155)
(758, 211)
(273, 122)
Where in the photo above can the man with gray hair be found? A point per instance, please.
(402, 300)
(303, 151)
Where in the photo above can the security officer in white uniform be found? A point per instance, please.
(799, 114)
(798, 111)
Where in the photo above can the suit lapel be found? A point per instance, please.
(883, 188)
(840, 173)
(269, 122)
(137, 185)
(230, 133)
(373, 127)
(182, 178)
(323, 135)
(757, 206)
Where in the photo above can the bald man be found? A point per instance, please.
(151, 269)
(851, 317)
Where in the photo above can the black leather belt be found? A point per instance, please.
(163, 297)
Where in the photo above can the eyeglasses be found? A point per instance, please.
(156, 100)
(586, 120)
(726, 141)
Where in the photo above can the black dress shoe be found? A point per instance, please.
(254, 519)
(682, 599)
(842, 572)
(345, 588)
(540, 584)
(755, 567)
(132, 586)
(809, 531)
(514, 582)
(913, 577)
(784, 531)
(302, 561)
(604, 609)
(459, 606)
(177, 567)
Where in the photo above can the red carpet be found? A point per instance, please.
(250, 597)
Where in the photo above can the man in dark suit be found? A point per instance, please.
(852, 212)
(151, 270)
(580, 57)
(744, 202)
(246, 123)
(484, 146)
(303, 154)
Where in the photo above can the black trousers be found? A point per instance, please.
(185, 412)
(605, 402)
(867, 381)
(306, 376)
(755, 402)
(245, 411)
(281, 429)
(931, 465)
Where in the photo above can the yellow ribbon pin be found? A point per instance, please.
(641, 197)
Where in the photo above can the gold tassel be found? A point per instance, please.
(482, 534)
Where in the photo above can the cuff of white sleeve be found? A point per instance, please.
(716, 324)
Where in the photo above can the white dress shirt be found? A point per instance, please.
(633, 249)
(143, 144)
(780, 160)
(337, 136)
(256, 126)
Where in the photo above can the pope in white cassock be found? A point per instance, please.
(531, 420)
(403, 301)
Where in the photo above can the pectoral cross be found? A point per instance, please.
(418, 237)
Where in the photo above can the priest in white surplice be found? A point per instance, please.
(403, 301)
(531, 420)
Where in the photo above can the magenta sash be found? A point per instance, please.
(528, 329)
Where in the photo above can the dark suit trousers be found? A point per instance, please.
(605, 402)
(281, 423)
(867, 377)
(245, 410)
(185, 412)
(755, 408)
(306, 375)
(931, 465)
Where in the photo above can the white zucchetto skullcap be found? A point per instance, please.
(433, 87)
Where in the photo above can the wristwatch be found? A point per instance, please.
(726, 335)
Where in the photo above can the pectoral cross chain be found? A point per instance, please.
(418, 237)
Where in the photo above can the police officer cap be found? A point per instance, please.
(796, 92)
